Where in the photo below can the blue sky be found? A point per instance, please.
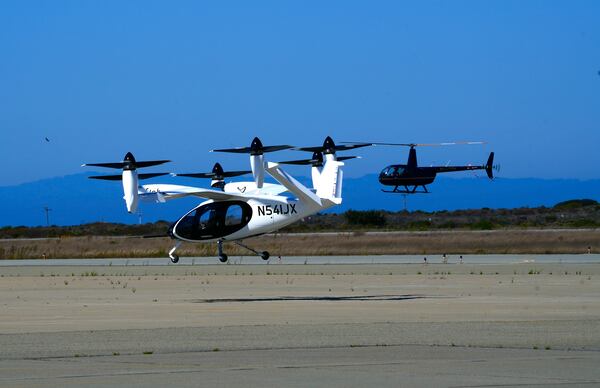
(175, 79)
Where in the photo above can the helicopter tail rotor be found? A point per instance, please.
(490, 167)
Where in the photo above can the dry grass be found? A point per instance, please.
(465, 242)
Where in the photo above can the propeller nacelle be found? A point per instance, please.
(217, 175)
(129, 177)
(257, 161)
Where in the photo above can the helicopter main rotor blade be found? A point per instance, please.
(422, 144)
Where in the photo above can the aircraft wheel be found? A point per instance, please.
(174, 259)
(265, 255)
(223, 258)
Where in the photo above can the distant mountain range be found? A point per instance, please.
(74, 199)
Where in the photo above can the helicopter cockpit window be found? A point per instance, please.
(399, 170)
(387, 171)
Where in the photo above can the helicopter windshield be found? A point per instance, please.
(391, 171)
(387, 171)
(214, 220)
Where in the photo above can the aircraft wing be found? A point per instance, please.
(250, 188)
(293, 186)
(163, 193)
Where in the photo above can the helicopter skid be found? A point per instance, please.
(406, 191)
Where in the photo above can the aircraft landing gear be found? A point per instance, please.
(222, 256)
(408, 190)
(263, 255)
(172, 255)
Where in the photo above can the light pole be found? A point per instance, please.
(47, 210)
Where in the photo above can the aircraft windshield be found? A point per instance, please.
(387, 171)
(214, 220)
(392, 171)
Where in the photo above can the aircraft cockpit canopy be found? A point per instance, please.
(214, 220)
(391, 171)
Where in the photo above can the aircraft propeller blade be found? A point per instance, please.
(300, 162)
(341, 158)
(129, 177)
(107, 177)
(118, 165)
(128, 163)
(151, 175)
(120, 177)
(217, 173)
(256, 148)
(228, 174)
(315, 161)
(329, 147)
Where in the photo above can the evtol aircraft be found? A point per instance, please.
(239, 210)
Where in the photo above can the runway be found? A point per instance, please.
(304, 260)
(406, 366)
(511, 323)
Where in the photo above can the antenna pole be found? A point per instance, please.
(47, 210)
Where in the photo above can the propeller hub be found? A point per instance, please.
(328, 146)
(217, 170)
(129, 162)
(256, 148)
(317, 159)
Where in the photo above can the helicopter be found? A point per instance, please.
(408, 178)
(236, 211)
